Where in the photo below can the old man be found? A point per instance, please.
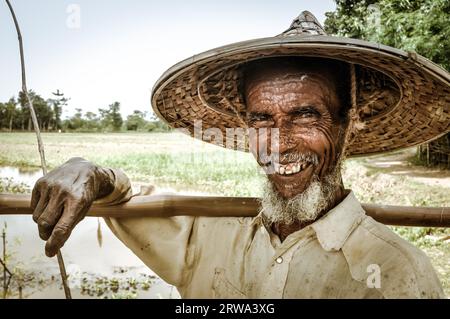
(324, 98)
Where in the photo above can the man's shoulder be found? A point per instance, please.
(383, 237)
(405, 270)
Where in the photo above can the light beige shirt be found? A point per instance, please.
(344, 254)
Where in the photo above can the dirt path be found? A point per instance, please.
(398, 164)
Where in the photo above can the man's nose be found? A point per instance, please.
(281, 141)
(286, 142)
(278, 139)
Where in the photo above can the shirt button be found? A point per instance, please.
(279, 260)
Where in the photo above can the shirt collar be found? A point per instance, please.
(332, 229)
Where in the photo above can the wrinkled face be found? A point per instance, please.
(303, 105)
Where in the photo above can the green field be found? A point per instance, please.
(175, 160)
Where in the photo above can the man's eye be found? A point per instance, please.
(306, 113)
(260, 118)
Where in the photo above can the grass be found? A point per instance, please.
(172, 159)
(151, 158)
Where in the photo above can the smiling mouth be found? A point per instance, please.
(291, 168)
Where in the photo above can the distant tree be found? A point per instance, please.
(156, 124)
(25, 117)
(116, 118)
(3, 119)
(11, 112)
(44, 112)
(104, 118)
(111, 118)
(8, 114)
(58, 102)
(136, 121)
(77, 119)
(92, 122)
(161, 126)
(75, 122)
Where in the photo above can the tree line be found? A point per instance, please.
(15, 116)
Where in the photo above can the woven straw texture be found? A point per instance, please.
(403, 99)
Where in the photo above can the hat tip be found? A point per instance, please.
(305, 24)
(306, 12)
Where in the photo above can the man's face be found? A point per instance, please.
(303, 105)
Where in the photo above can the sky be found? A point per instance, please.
(99, 51)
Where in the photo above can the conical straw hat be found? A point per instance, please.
(403, 99)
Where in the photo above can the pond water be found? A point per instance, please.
(21, 175)
(82, 252)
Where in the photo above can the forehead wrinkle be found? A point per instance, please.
(282, 75)
(268, 100)
(301, 77)
(291, 91)
(285, 84)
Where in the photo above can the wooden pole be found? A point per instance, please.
(5, 288)
(211, 206)
(62, 267)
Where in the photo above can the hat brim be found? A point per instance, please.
(420, 113)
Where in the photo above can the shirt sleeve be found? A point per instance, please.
(164, 244)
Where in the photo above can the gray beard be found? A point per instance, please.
(304, 207)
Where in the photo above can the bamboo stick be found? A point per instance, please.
(62, 267)
(5, 269)
(210, 206)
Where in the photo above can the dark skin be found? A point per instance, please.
(301, 102)
(62, 198)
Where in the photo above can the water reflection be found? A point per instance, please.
(21, 175)
(82, 252)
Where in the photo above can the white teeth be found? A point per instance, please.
(289, 168)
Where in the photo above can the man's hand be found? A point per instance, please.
(62, 198)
